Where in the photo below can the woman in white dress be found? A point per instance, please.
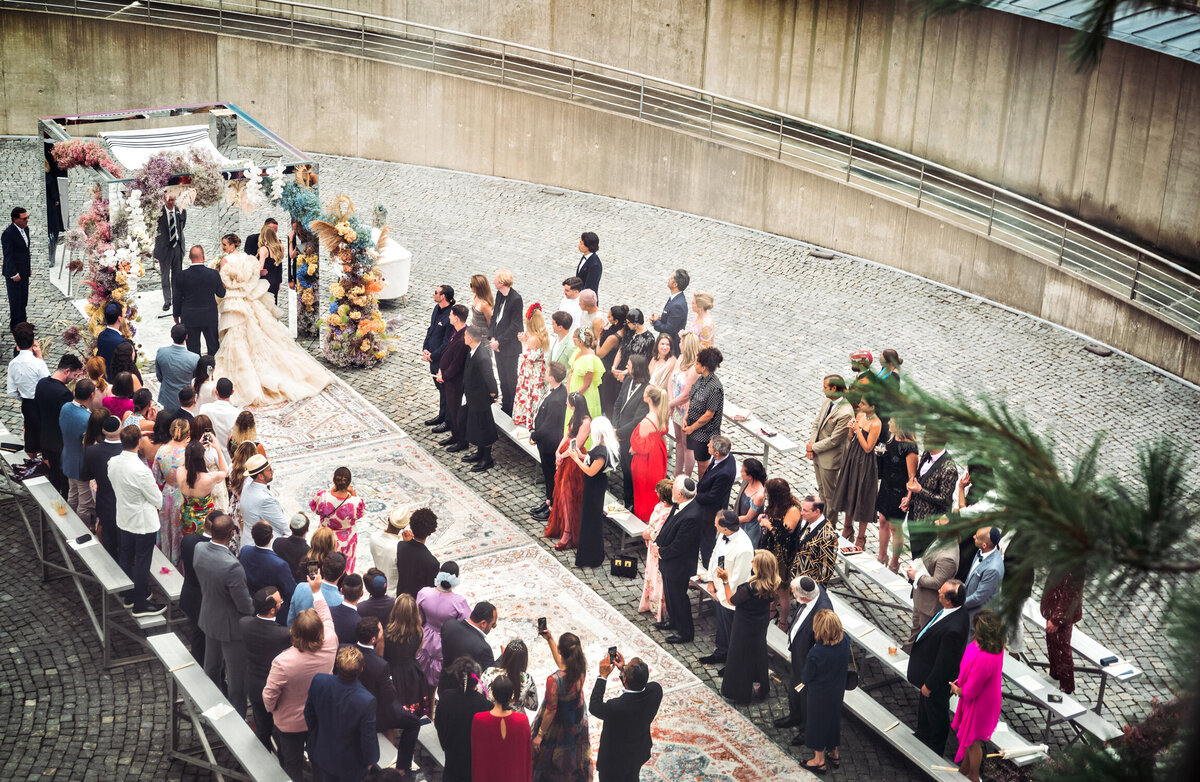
(257, 354)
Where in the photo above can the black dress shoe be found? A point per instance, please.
(678, 639)
(473, 456)
(664, 626)
(712, 659)
(786, 721)
(441, 428)
(721, 671)
(447, 440)
(538, 508)
(166, 307)
(434, 421)
(483, 466)
(457, 447)
(542, 514)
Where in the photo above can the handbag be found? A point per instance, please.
(852, 674)
(624, 567)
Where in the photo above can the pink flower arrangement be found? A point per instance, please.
(77, 152)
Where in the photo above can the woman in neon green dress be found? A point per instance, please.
(587, 370)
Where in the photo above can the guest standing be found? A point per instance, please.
(663, 364)
(712, 490)
(17, 266)
(571, 288)
(648, 452)
(403, 638)
(340, 714)
(545, 432)
(124, 359)
(416, 565)
(120, 402)
(500, 744)
(377, 603)
(384, 543)
(702, 326)
(224, 601)
(108, 339)
(173, 366)
(73, 423)
(681, 385)
(746, 664)
(812, 599)
(779, 523)
(724, 571)
(608, 345)
(628, 410)
(265, 639)
(933, 663)
(937, 565)
(482, 302)
(562, 343)
(24, 372)
(587, 371)
(196, 486)
(450, 376)
(469, 637)
(589, 269)
(514, 659)
(49, 396)
(531, 372)
(340, 508)
(751, 499)
(96, 456)
(678, 547)
(561, 750)
(652, 589)
(625, 740)
(897, 468)
(564, 516)
(270, 255)
(204, 385)
(706, 405)
(438, 604)
(437, 336)
(858, 482)
(932, 491)
(479, 392)
(138, 501)
(458, 703)
(504, 325)
(393, 718)
(980, 676)
(244, 431)
(816, 543)
(825, 686)
(1062, 607)
(293, 548)
(595, 465)
(265, 568)
(674, 314)
(827, 443)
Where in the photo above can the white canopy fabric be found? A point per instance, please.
(132, 148)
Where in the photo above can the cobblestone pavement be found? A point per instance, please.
(784, 319)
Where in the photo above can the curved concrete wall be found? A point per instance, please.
(987, 93)
(370, 109)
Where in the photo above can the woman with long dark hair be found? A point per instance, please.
(561, 750)
(167, 462)
(124, 359)
(196, 486)
(214, 457)
(457, 707)
(120, 402)
(340, 508)
(858, 482)
(752, 498)
(514, 659)
(608, 343)
(779, 523)
(203, 382)
(568, 478)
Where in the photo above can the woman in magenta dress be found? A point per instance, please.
(648, 452)
(978, 691)
(438, 604)
(500, 746)
(652, 590)
(340, 509)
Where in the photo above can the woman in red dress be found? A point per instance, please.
(648, 453)
(501, 749)
(567, 503)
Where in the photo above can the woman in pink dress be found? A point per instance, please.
(438, 604)
(978, 691)
(340, 509)
(531, 374)
(652, 591)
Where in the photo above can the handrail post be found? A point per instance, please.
(292, 25)
(641, 98)
(921, 186)
(711, 106)
(433, 47)
(992, 213)
(779, 148)
(1137, 271)
(220, 14)
(503, 60)
(572, 97)
(1062, 243)
(362, 39)
(850, 160)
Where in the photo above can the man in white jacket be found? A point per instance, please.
(138, 502)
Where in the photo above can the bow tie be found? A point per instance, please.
(725, 538)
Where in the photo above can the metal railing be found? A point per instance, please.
(1105, 260)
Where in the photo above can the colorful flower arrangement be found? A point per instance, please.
(113, 268)
(77, 152)
(300, 200)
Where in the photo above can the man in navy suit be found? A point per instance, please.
(195, 302)
(468, 638)
(712, 490)
(678, 547)
(340, 713)
(933, 664)
(986, 573)
(174, 365)
(15, 243)
(376, 677)
(625, 741)
(265, 638)
(674, 314)
(590, 268)
(107, 340)
(508, 321)
(346, 616)
(436, 338)
(266, 568)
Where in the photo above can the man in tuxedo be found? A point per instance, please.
(49, 396)
(436, 338)
(590, 268)
(939, 564)
(817, 542)
(191, 596)
(730, 562)
(629, 408)
(479, 393)
(828, 437)
(195, 300)
(625, 741)
(107, 340)
(986, 573)
(168, 246)
(812, 598)
(468, 638)
(416, 565)
(450, 378)
(546, 433)
(342, 742)
(933, 664)
(678, 548)
(225, 600)
(390, 714)
(712, 490)
(508, 320)
(674, 315)
(17, 268)
(174, 365)
(95, 468)
(265, 637)
(265, 568)
(346, 616)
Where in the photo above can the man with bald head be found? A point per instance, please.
(987, 570)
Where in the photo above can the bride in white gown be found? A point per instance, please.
(257, 353)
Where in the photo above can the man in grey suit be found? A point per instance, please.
(939, 563)
(168, 246)
(828, 436)
(173, 366)
(987, 571)
(224, 601)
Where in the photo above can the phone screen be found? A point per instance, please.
(541, 624)
(612, 654)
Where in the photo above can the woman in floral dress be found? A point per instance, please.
(531, 374)
(196, 486)
(652, 590)
(340, 509)
(561, 749)
(166, 466)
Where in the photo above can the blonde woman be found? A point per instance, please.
(746, 663)
(702, 327)
(681, 387)
(531, 374)
(237, 478)
(482, 303)
(403, 637)
(167, 462)
(587, 371)
(245, 430)
(824, 678)
(270, 253)
(648, 453)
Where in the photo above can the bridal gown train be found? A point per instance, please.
(257, 353)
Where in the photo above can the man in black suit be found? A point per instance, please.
(190, 596)
(712, 490)
(933, 664)
(49, 396)
(187, 405)
(590, 268)
(625, 741)
(450, 377)
(390, 715)
(17, 268)
(293, 548)
(436, 338)
(812, 598)
(415, 563)
(251, 247)
(107, 340)
(346, 616)
(508, 321)
(168, 246)
(265, 638)
(629, 408)
(479, 393)
(468, 638)
(95, 468)
(674, 314)
(547, 432)
(678, 547)
(196, 290)
(264, 567)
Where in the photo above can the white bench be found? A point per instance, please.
(757, 428)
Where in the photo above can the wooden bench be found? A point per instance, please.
(757, 428)
(201, 703)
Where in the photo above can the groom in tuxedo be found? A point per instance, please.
(168, 246)
(678, 547)
(195, 302)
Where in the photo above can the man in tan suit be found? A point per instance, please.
(938, 565)
(827, 440)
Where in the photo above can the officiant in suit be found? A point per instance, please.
(195, 302)
(168, 247)
(479, 392)
(15, 241)
(678, 549)
(507, 322)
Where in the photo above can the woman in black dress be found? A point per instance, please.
(897, 466)
(457, 707)
(746, 662)
(607, 346)
(779, 522)
(402, 638)
(858, 482)
(594, 464)
(824, 679)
